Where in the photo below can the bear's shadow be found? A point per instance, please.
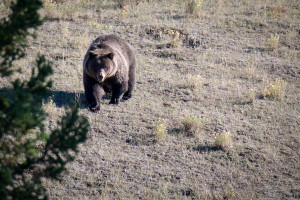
(61, 98)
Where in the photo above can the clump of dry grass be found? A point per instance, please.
(53, 112)
(177, 37)
(126, 11)
(272, 43)
(252, 73)
(224, 140)
(193, 7)
(160, 131)
(251, 96)
(192, 126)
(275, 91)
(193, 81)
(96, 25)
(63, 9)
(177, 41)
(279, 11)
(49, 107)
(126, 3)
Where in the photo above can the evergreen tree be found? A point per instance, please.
(27, 152)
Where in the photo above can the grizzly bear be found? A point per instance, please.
(108, 66)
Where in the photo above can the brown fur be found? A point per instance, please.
(108, 66)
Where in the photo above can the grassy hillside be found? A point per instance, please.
(216, 110)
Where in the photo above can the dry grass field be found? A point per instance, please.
(216, 109)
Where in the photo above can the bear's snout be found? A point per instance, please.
(100, 78)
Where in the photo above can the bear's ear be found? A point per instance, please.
(110, 55)
(93, 52)
(101, 52)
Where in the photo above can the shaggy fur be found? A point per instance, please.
(108, 66)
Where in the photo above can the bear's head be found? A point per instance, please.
(101, 64)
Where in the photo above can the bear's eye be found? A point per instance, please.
(99, 60)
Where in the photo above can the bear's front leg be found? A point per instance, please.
(93, 93)
(118, 91)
